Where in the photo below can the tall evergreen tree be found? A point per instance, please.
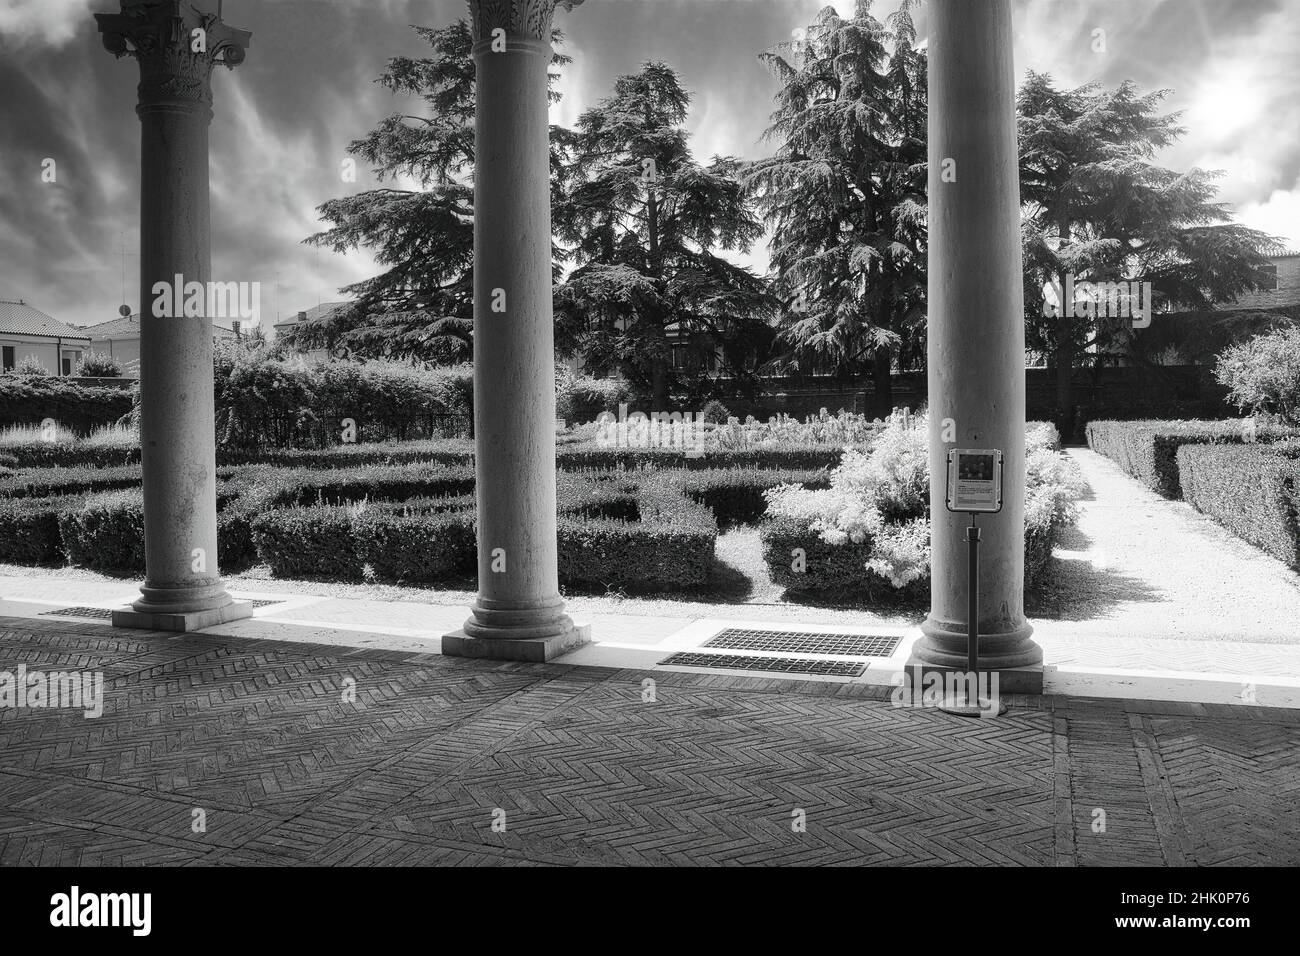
(645, 224)
(1097, 207)
(421, 306)
(844, 194)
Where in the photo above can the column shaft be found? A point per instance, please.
(519, 613)
(976, 326)
(177, 431)
(176, 45)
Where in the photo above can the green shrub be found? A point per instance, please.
(308, 543)
(1263, 374)
(1148, 450)
(715, 413)
(868, 532)
(98, 365)
(50, 482)
(29, 530)
(671, 547)
(419, 542)
(29, 400)
(1251, 490)
(284, 487)
(105, 532)
(736, 495)
(590, 455)
(429, 451)
(802, 563)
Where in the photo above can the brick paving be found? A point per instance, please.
(582, 769)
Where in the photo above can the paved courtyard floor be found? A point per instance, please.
(262, 743)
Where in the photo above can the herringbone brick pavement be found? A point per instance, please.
(305, 754)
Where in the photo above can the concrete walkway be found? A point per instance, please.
(226, 751)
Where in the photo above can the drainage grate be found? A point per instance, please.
(806, 642)
(98, 613)
(783, 665)
(261, 603)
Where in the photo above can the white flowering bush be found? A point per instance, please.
(879, 500)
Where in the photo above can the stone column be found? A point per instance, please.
(177, 45)
(976, 336)
(519, 614)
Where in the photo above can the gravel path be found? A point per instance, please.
(1138, 565)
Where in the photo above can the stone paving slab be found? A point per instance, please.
(452, 761)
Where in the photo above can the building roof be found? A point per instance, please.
(325, 308)
(19, 318)
(123, 328)
(129, 328)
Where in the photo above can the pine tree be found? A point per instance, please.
(644, 224)
(421, 306)
(844, 195)
(1097, 207)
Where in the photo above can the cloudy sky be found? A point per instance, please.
(285, 117)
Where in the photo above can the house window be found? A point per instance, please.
(8, 357)
(1269, 279)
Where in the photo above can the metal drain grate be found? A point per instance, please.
(783, 665)
(261, 603)
(98, 613)
(806, 642)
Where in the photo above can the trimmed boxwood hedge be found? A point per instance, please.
(50, 482)
(29, 530)
(831, 569)
(105, 532)
(592, 455)
(1251, 490)
(1148, 450)
(671, 547)
(313, 542)
(840, 569)
(735, 495)
(419, 543)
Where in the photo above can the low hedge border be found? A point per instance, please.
(840, 569)
(105, 532)
(29, 530)
(670, 545)
(1148, 450)
(735, 495)
(1252, 491)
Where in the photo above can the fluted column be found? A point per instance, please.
(976, 334)
(176, 45)
(518, 614)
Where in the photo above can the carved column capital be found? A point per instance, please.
(521, 19)
(176, 45)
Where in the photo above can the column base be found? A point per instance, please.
(536, 650)
(182, 620)
(1011, 680)
(1014, 655)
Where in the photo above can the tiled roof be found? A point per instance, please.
(21, 319)
(314, 313)
(126, 328)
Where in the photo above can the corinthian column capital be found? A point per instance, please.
(520, 19)
(176, 45)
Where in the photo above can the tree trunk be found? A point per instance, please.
(1064, 339)
(882, 383)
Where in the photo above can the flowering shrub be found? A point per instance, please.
(879, 500)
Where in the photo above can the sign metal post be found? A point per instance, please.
(974, 487)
